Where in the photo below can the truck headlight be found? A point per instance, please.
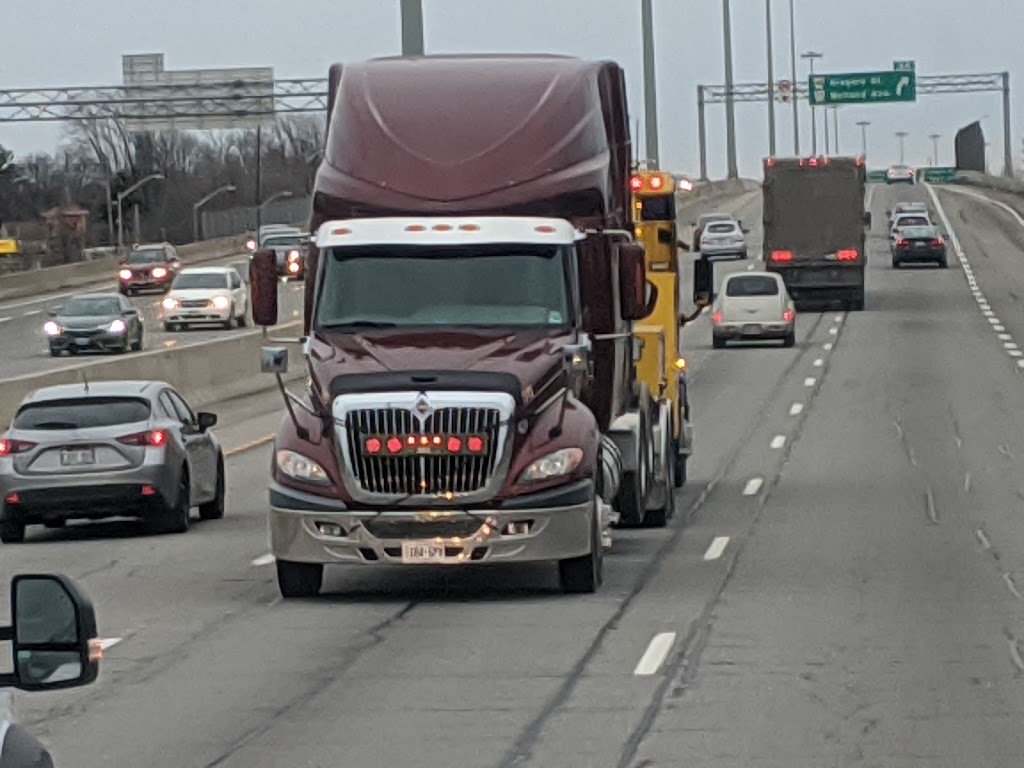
(299, 467)
(557, 464)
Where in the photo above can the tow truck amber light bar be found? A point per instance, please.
(655, 183)
(424, 445)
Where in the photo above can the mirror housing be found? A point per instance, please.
(703, 281)
(632, 282)
(53, 638)
(53, 311)
(867, 219)
(263, 287)
(274, 360)
(130, 312)
(576, 358)
(205, 420)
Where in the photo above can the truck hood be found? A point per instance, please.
(532, 356)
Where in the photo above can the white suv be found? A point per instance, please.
(203, 296)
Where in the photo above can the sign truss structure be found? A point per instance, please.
(991, 82)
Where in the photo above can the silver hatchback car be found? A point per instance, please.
(108, 449)
(753, 306)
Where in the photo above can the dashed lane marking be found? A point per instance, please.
(753, 486)
(810, 381)
(262, 560)
(795, 409)
(827, 346)
(655, 654)
(818, 363)
(833, 330)
(717, 547)
(778, 441)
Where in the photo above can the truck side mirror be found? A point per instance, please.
(263, 287)
(867, 219)
(274, 360)
(53, 638)
(703, 281)
(632, 282)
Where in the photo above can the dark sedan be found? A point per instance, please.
(94, 322)
(919, 245)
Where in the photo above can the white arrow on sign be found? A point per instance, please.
(903, 83)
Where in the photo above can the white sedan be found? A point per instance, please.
(900, 174)
(753, 306)
(204, 296)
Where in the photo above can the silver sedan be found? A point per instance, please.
(108, 449)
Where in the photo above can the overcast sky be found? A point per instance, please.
(71, 42)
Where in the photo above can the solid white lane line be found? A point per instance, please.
(109, 642)
(795, 408)
(266, 559)
(655, 654)
(5, 319)
(718, 545)
(753, 486)
(778, 441)
(810, 381)
(983, 539)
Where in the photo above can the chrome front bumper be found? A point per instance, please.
(546, 526)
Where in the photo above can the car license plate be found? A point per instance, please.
(919, 245)
(422, 552)
(78, 457)
(82, 342)
(751, 330)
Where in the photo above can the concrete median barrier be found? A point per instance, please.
(17, 285)
(220, 370)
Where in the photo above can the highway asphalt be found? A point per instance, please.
(843, 587)
(23, 346)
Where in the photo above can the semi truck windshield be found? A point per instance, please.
(395, 286)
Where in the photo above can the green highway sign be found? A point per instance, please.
(939, 175)
(904, 65)
(875, 177)
(863, 88)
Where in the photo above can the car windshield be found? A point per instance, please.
(901, 168)
(198, 280)
(752, 285)
(146, 256)
(912, 221)
(285, 241)
(721, 228)
(87, 306)
(82, 413)
(908, 207)
(918, 232)
(417, 286)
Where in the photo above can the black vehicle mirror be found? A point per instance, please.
(53, 638)
(130, 312)
(683, 246)
(205, 420)
(745, 231)
(632, 279)
(703, 282)
(53, 311)
(888, 213)
(263, 287)
(867, 219)
(651, 294)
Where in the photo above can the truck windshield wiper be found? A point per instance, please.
(359, 324)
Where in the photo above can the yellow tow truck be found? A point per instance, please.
(661, 365)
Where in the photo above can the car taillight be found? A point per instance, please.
(10, 447)
(154, 438)
(847, 255)
(782, 256)
(902, 243)
(716, 318)
(938, 241)
(788, 315)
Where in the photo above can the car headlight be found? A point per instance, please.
(169, 303)
(51, 328)
(117, 326)
(557, 464)
(299, 467)
(221, 302)
(159, 272)
(251, 245)
(125, 274)
(293, 255)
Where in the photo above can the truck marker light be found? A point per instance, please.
(847, 255)
(469, 227)
(341, 231)
(681, 363)
(813, 162)
(411, 440)
(475, 444)
(373, 445)
(424, 440)
(782, 256)
(394, 445)
(443, 227)
(770, 162)
(545, 229)
(454, 445)
(436, 440)
(656, 182)
(636, 183)
(415, 228)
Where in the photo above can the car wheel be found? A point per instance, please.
(12, 532)
(54, 351)
(242, 320)
(896, 264)
(175, 518)
(717, 342)
(230, 322)
(137, 346)
(944, 263)
(789, 340)
(584, 574)
(214, 509)
(296, 580)
(658, 518)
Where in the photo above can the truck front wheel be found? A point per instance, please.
(299, 579)
(584, 574)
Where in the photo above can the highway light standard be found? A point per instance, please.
(276, 196)
(811, 56)
(196, 206)
(864, 137)
(796, 90)
(730, 101)
(120, 209)
(902, 136)
(771, 78)
(935, 147)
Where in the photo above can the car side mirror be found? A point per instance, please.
(53, 311)
(703, 282)
(745, 231)
(263, 287)
(53, 639)
(205, 420)
(130, 312)
(888, 213)
(867, 219)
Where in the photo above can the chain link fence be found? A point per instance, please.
(237, 221)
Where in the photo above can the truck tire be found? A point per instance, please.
(658, 518)
(631, 498)
(717, 342)
(584, 574)
(296, 580)
(679, 471)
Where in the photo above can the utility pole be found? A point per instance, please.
(811, 56)
(412, 27)
(792, 64)
(730, 99)
(650, 84)
(864, 137)
(771, 78)
(902, 136)
(935, 147)
(835, 126)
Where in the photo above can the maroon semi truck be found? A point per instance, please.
(470, 294)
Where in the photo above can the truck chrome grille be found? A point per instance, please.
(423, 475)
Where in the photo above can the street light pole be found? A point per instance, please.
(864, 137)
(272, 198)
(196, 206)
(650, 83)
(835, 126)
(412, 28)
(811, 56)
(792, 64)
(902, 136)
(935, 147)
(771, 77)
(120, 209)
(730, 101)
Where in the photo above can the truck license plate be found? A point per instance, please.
(422, 552)
(76, 458)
